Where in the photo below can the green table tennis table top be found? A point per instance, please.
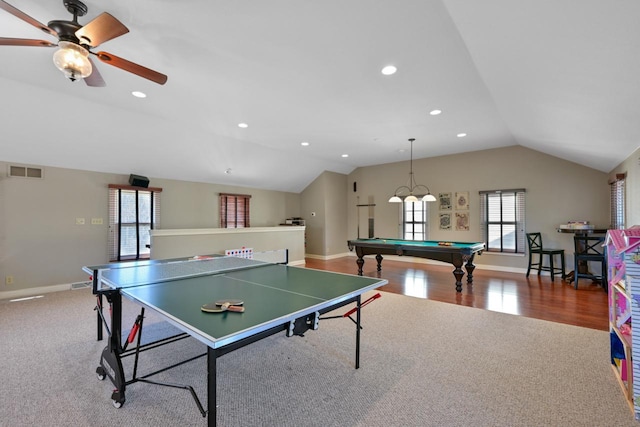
(273, 294)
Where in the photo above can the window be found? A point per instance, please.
(415, 224)
(617, 202)
(502, 220)
(234, 210)
(132, 213)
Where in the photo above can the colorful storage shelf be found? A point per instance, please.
(623, 263)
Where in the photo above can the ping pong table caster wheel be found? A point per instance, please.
(101, 373)
(117, 399)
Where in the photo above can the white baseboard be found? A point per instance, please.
(30, 292)
(326, 257)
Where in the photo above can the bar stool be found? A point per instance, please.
(590, 249)
(534, 241)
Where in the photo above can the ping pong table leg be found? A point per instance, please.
(95, 281)
(110, 359)
(358, 302)
(211, 387)
(99, 316)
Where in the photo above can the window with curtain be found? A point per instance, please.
(502, 220)
(617, 202)
(133, 211)
(415, 225)
(234, 210)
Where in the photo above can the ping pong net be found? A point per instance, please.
(157, 272)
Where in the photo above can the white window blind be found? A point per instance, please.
(502, 220)
(617, 202)
(133, 212)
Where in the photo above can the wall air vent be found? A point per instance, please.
(25, 171)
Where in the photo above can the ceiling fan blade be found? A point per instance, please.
(103, 28)
(95, 78)
(25, 42)
(20, 14)
(131, 67)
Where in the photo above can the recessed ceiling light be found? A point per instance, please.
(389, 70)
(139, 94)
(435, 112)
(461, 135)
(304, 143)
(243, 125)
(345, 155)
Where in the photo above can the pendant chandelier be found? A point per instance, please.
(406, 192)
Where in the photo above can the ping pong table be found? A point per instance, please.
(277, 298)
(94, 274)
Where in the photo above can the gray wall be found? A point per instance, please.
(312, 200)
(336, 212)
(557, 191)
(326, 196)
(41, 245)
(631, 166)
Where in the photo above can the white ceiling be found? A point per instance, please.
(557, 76)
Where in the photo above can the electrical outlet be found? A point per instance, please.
(96, 221)
(79, 221)
(8, 280)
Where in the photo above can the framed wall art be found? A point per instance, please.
(445, 201)
(462, 221)
(445, 221)
(462, 200)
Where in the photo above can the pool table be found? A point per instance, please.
(456, 253)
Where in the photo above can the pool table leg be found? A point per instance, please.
(379, 259)
(459, 274)
(469, 267)
(360, 262)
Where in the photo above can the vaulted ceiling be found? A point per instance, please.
(557, 76)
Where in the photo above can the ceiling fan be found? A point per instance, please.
(76, 41)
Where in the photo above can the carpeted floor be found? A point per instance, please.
(423, 363)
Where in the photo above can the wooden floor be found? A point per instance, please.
(536, 296)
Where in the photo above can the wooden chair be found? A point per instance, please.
(590, 249)
(534, 241)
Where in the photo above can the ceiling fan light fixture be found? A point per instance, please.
(76, 42)
(72, 60)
